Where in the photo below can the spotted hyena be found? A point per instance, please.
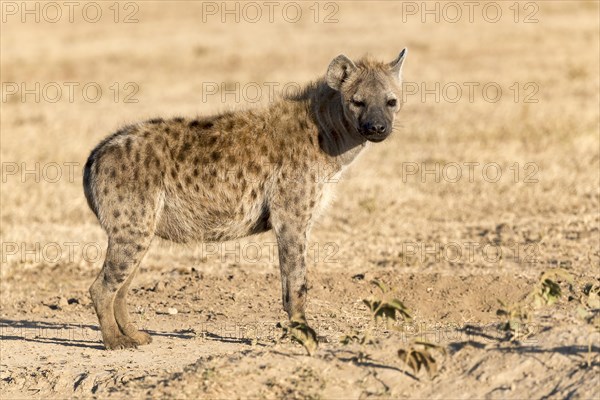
(226, 176)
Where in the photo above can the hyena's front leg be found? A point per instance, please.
(291, 217)
(292, 237)
(291, 240)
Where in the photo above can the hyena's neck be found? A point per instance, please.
(339, 138)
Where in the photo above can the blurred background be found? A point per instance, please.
(487, 83)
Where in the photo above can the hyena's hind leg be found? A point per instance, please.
(130, 223)
(108, 291)
(132, 238)
(122, 315)
(123, 185)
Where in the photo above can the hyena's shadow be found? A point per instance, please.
(64, 334)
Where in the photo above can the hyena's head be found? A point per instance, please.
(370, 93)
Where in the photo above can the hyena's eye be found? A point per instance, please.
(392, 103)
(357, 103)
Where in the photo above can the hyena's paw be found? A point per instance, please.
(304, 334)
(119, 342)
(140, 337)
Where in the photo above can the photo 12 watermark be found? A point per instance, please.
(449, 332)
(469, 172)
(40, 172)
(467, 252)
(471, 92)
(70, 92)
(265, 251)
(249, 92)
(453, 12)
(52, 12)
(252, 12)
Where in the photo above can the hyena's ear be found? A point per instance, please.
(339, 70)
(396, 65)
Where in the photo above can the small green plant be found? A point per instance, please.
(418, 355)
(356, 337)
(589, 311)
(545, 292)
(515, 320)
(591, 296)
(386, 307)
(363, 339)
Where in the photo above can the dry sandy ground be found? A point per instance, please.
(450, 248)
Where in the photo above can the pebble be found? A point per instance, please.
(63, 302)
(159, 287)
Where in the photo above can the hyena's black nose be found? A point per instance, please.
(376, 127)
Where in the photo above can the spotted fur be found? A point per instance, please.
(226, 176)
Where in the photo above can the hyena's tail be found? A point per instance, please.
(88, 181)
(89, 176)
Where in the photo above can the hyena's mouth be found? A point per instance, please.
(376, 138)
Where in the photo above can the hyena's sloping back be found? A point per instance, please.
(214, 173)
